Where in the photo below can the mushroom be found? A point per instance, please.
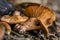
(16, 18)
(42, 13)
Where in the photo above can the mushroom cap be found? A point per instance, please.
(44, 14)
(16, 18)
(41, 12)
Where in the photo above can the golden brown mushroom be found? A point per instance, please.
(43, 14)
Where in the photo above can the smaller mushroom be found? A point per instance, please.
(16, 18)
